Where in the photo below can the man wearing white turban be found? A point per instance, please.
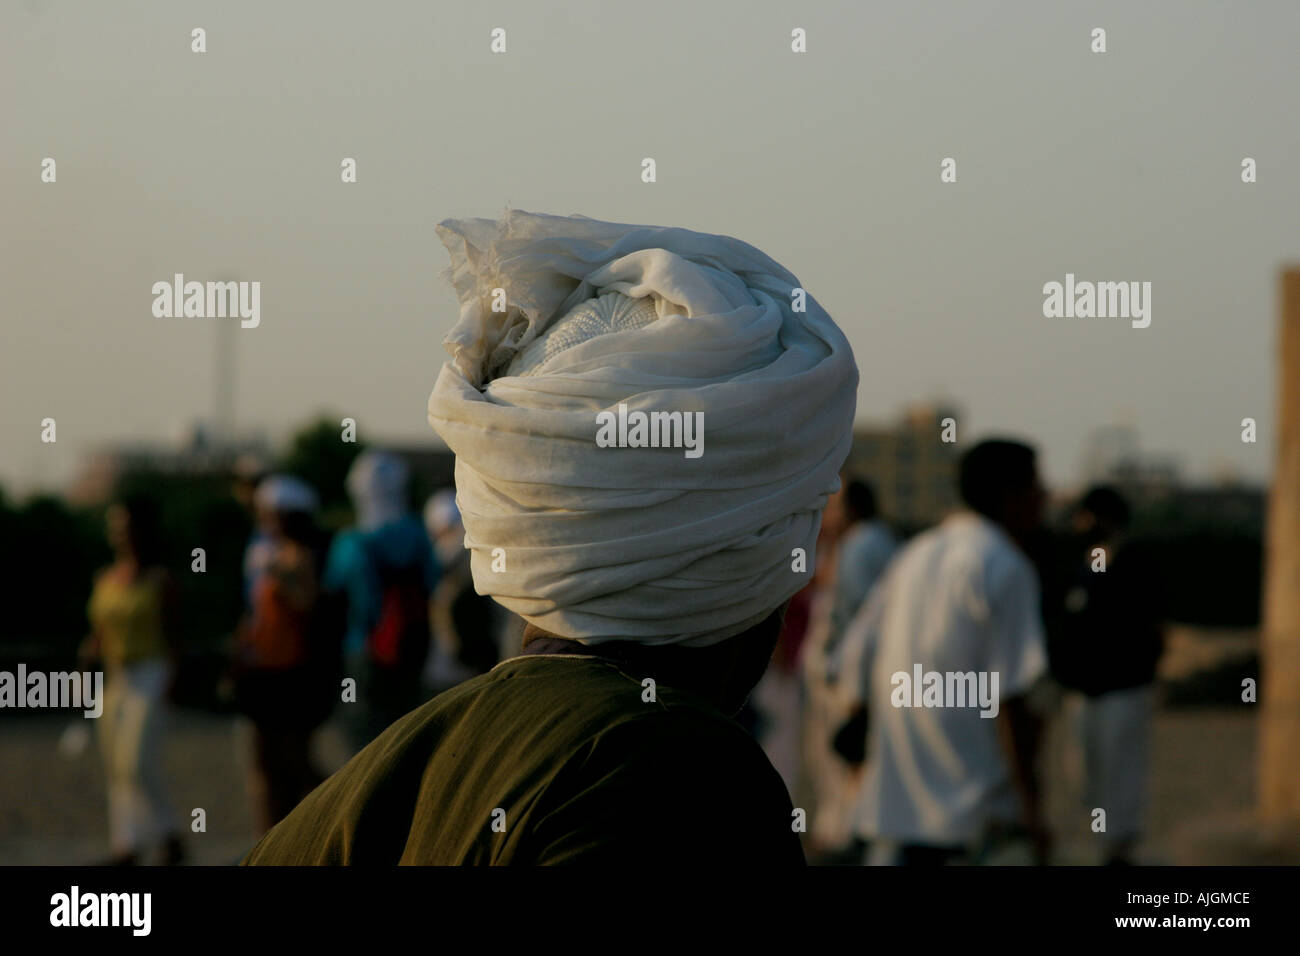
(647, 424)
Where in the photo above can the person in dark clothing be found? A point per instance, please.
(1107, 649)
(564, 754)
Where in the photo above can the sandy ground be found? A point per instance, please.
(1202, 786)
(52, 808)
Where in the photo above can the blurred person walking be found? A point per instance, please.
(249, 471)
(466, 625)
(778, 698)
(946, 782)
(860, 545)
(132, 614)
(1110, 644)
(861, 556)
(281, 674)
(386, 570)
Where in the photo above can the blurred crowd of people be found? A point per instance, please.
(1069, 621)
(362, 626)
(368, 623)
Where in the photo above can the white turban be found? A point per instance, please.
(637, 543)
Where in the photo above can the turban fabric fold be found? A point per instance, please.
(641, 544)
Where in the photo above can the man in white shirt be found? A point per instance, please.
(943, 653)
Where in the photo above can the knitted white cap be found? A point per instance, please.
(610, 312)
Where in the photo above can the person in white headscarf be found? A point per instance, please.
(377, 483)
(386, 570)
(466, 625)
(647, 424)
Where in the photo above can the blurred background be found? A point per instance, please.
(225, 165)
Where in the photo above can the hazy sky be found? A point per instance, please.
(1115, 166)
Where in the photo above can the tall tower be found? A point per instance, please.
(223, 378)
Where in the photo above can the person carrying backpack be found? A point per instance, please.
(385, 571)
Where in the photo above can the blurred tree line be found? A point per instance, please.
(51, 551)
(48, 558)
(1213, 566)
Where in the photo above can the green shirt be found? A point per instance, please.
(548, 759)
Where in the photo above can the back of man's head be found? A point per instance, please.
(1108, 506)
(860, 500)
(993, 473)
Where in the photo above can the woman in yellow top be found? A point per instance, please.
(130, 618)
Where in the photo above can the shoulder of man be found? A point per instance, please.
(361, 814)
(679, 783)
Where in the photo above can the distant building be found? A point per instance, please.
(1112, 455)
(195, 454)
(1107, 448)
(1232, 505)
(1155, 487)
(913, 472)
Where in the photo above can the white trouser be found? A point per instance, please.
(1115, 729)
(131, 736)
